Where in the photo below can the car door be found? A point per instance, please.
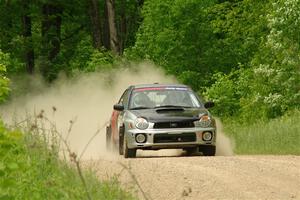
(117, 116)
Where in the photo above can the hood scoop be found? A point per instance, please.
(162, 110)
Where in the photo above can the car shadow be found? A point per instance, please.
(165, 154)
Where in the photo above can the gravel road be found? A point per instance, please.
(169, 175)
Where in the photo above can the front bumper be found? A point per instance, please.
(178, 133)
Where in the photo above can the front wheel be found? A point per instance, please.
(208, 150)
(128, 153)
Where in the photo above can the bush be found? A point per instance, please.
(4, 81)
(88, 59)
(30, 169)
(224, 92)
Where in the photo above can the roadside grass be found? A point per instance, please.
(30, 168)
(279, 136)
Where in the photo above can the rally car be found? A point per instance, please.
(160, 116)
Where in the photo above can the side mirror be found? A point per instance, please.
(118, 107)
(209, 104)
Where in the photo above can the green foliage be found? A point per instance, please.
(10, 149)
(255, 65)
(278, 136)
(82, 55)
(276, 76)
(239, 28)
(132, 15)
(270, 86)
(88, 59)
(101, 61)
(30, 170)
(53, 32)
(194, 40)
(226, 93)
(4, 81)
(243, 54)
(176, 35)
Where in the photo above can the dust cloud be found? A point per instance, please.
(224, 144)
(87, 100)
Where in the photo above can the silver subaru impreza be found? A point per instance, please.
(159, 116)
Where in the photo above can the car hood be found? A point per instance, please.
(167, 115)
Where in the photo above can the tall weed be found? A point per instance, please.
(280, 136)
(31, 167)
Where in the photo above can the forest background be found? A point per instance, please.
(242, 54)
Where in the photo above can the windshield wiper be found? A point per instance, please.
(140, 108)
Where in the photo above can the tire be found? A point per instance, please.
(108, 138)
(121, 139)
(128, 153)
(208, 150)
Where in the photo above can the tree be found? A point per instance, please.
(113, 37)
(123, 27)
(95, 23)
(177, 36)
(51, 35)
(267, 83)
(28, 45)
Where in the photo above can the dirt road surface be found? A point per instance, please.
(169, 175)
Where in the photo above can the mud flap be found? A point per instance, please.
(121, 140)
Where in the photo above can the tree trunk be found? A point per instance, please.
(51, 29)
(51, 36)
(95, 23)
(123, 27)
(106, 39)
(114, 43)
(28, 46)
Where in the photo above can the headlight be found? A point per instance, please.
(207, 136)
(140, 138)
(204, 121)
(141, 123)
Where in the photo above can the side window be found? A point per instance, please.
(124, 98)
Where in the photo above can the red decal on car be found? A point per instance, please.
(114, 124)
(150, 88)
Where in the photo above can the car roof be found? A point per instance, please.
(158, 85)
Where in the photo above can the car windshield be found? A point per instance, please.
(143, 98)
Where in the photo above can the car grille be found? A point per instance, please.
(188, 124)
(168, 138)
